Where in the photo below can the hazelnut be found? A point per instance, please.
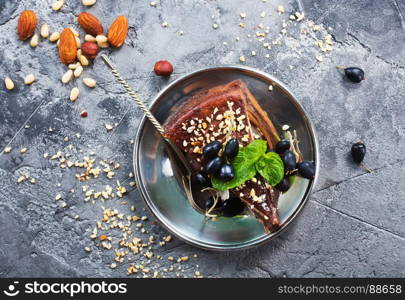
(90, 49)
(163, 68)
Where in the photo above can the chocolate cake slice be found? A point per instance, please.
(219, 114)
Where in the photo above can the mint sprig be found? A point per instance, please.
(271, 167)
(250, 160)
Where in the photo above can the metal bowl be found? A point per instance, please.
(163, 194)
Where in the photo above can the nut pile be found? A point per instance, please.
(73, 52)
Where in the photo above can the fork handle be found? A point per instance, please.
(134, 95)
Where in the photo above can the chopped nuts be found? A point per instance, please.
(74, 94)
(29, 79)
(9, 83)
(319, 58)
(7, 149)
(45, 31)
(90, 82)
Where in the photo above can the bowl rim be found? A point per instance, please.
(258, 241)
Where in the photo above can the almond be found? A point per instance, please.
(26, 24)
(67, 46)
(90, 24)
(118, 31)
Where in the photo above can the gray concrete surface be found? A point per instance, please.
(353, 225)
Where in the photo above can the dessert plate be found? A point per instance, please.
(163, 193)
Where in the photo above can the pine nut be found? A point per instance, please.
(72, 66)
(45, 31)
(9, 83)
(90, 82)
(89, 38)
(34, 41)
(101, 38)
(78, 71)
(78, 43)
(89, 2)
(75, 33)
(74, 94)
(57, 5)
(67, 76)
(83, 60)
(103, 44)
(30, 78)
(79, 53)
(54, 36)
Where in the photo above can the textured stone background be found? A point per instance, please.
(353, 225)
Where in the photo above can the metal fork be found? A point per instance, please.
(176, 155)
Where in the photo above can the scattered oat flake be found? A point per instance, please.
(215, 26)
(242, 59)
(108, 127)
(58, 197)
(153, 4)
(23, 150)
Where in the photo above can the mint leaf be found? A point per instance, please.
(271, 167)
(244, 165)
